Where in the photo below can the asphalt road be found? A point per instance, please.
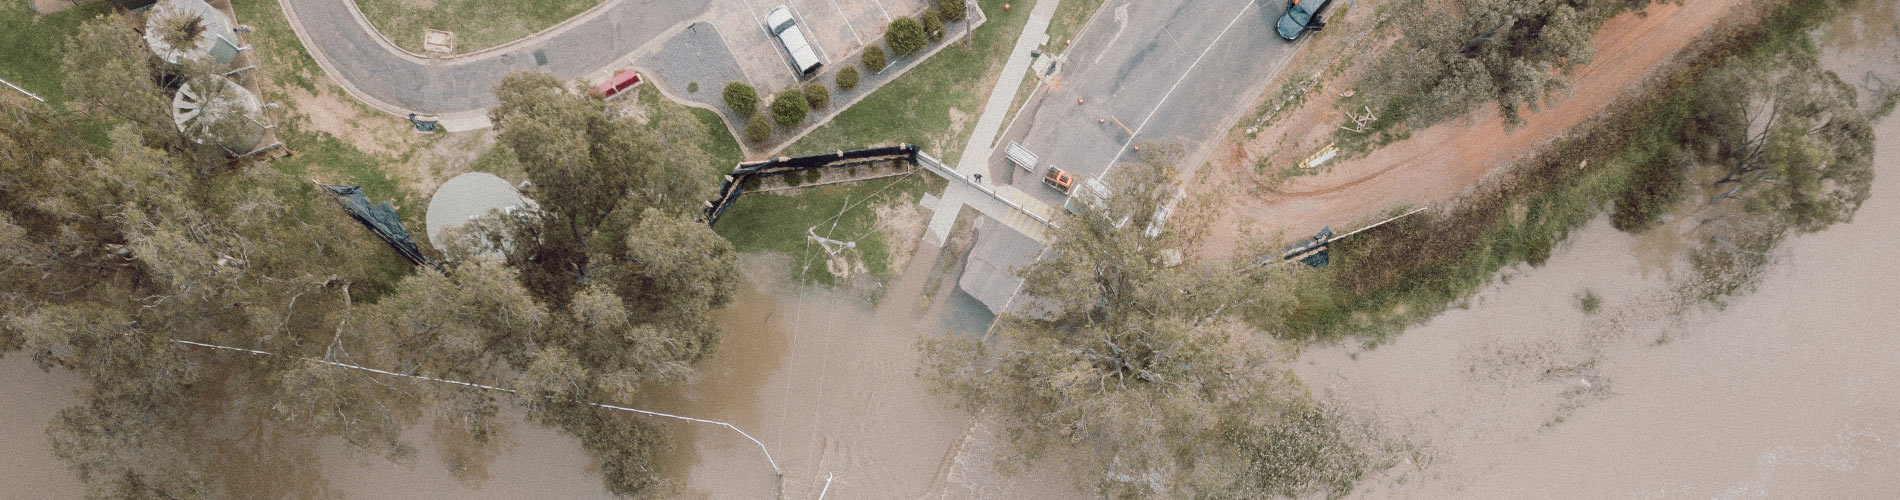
(466, 84)
(1168, 70)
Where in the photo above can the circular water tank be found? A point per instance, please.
(215, 110)
(184, 30)
(468, 196)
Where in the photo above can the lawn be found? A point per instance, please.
(477, 24)
(32, 50)
(915, 108)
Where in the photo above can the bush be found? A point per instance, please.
(788, 109)
(758, 129)
(741, 98)
(817, 95)
(1655, 184)
(848, 78)
(933, 24)
(874, 58)
(905, 36)
(812, 176)
(953, 10)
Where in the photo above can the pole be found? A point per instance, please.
(23, 91)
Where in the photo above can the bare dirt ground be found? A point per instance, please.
(1438, 162)
(1788, 393)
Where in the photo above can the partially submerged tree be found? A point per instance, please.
(1141, 366)
(1787, 138)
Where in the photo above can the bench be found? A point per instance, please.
(1021, 157)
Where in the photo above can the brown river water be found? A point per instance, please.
(1791, 392)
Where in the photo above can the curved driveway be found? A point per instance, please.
(399, 82)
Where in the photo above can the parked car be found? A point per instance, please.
(1301, 16)
(780, 22)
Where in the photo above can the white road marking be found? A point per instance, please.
(1171, 89)
(887, 14)
(813, 40)
(1121, 24)
(847, 22)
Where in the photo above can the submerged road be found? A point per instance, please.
(394, 80)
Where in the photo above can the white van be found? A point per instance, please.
(779, 21)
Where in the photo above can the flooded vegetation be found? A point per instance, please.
(1608, 330)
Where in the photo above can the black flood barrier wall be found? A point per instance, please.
(733, 184)
(380, 219)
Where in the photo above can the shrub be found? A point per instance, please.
(953, 10)
(874, 58)
(758, 129)
(817, 95)
(741, 98)
(1655, 184)
(789, 107)
(848, 78)
(905, 36)
(793, 179)
(811, 176)
(933, 24)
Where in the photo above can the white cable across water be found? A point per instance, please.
(768, 453)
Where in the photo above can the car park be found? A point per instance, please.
(783, 26)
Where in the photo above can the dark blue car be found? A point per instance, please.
(1301, 16)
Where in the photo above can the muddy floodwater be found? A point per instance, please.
(1793, 391)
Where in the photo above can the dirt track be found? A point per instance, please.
(1438, 162)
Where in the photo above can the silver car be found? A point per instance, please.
(779, 21)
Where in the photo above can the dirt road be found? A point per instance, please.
(1438, 162)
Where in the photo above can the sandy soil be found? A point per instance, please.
(1438, 162)
(1789, 393)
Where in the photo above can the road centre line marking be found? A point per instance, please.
(1171, 89)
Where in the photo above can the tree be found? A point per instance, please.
(1788, 139)
(584, 165)
(108, 70)
(789, 108)
(758, 128)
(933, 24)
(874, 58)
(741, 98)
(1140, 365)
(905, 35)
(953, 10)
(848, 78)
(1510, 52)
(817, 95)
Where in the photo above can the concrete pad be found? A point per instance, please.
(466, 197)
(990, 273)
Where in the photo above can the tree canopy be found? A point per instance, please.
(1141, 364)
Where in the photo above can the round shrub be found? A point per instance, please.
(812, 176)
(953, 10)
(741, 98)
(789, 108)
(906, 36)
(933, 24)
(817, 95)
(874, 58)
(848, 78)
(758, 128)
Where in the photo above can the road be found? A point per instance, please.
(1174, 71)
(400, 82)
(1167, 71)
